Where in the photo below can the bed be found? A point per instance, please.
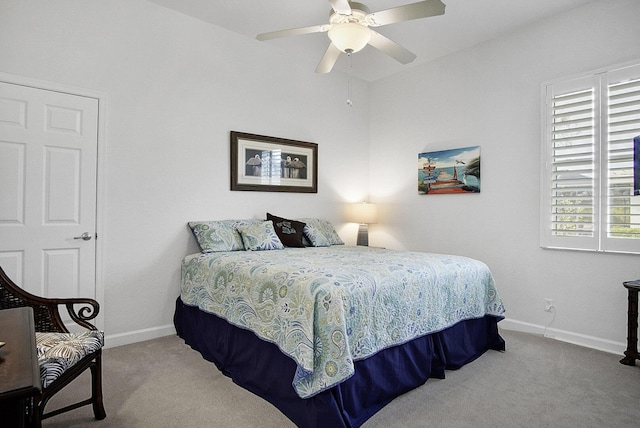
(328, 333)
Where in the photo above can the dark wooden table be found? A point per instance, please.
(19, 370)
(631, 354)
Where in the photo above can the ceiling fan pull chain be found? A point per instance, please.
(349, 102)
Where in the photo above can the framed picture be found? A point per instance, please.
(270, 164)
(449, 171)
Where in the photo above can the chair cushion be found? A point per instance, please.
(57, 352)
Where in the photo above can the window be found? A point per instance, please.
(588, 200)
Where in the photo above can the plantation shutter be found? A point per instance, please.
(570, 193)
(588, 163)
(623, 124)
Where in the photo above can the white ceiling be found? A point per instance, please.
(464, 24)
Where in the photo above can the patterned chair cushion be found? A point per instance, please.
(57, 352)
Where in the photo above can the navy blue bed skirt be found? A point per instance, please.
(261, 368)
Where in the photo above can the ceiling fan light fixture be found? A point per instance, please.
(349, 37)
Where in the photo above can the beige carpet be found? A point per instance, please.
(537, 382)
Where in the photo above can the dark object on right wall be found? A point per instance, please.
(631, 354)
(636, 165)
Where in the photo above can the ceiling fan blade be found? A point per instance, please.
(421, 9)
(391, 48)
(329, 59)
(293, 32)
(341, 6)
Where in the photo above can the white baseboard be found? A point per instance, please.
(592, 342)
(565, 336)
(113, 340)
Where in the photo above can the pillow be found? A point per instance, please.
(261, 236)
(290, 232)
(320, 232)
(221, 235)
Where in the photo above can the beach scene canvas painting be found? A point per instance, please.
(449, 171)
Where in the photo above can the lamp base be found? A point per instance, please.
(363, 235)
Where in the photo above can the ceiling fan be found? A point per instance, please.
(349, 29)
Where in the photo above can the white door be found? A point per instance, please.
(48, 156)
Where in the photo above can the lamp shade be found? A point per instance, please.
(363, 213)
(349, 37)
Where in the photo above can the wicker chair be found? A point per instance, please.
(59, 362)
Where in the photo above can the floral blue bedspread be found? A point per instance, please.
(327, 307)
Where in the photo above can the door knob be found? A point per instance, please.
(85, 236)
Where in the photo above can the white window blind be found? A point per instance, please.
(588, 162)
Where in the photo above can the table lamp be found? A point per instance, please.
(364, 214)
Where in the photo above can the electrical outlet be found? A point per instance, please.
(548, 304)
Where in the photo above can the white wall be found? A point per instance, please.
(175, 87)
(490, 96)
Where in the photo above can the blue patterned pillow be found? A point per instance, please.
(261, 236)
(320, 232)
(221, 235)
